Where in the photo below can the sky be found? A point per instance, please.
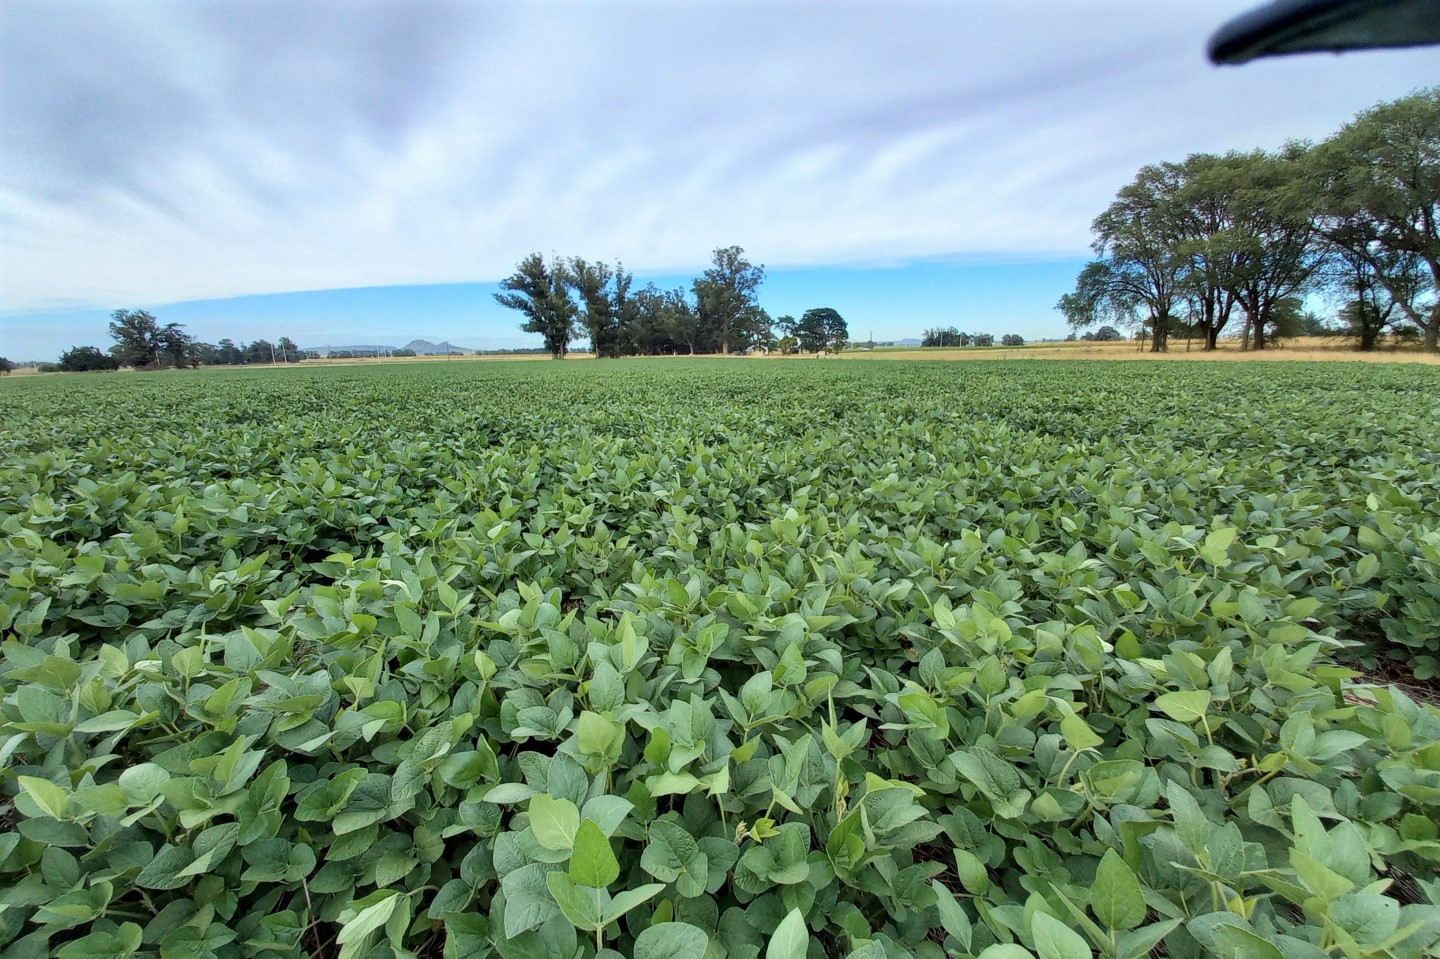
(344, 172)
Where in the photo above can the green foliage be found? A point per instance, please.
(141, 342)
(541, 293)
(1191, 244)
(684, 659)
(726, 298)
(819, 329)
(85, 359)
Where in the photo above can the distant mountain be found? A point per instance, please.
(908, 342)
(443, 348)
(421, 348)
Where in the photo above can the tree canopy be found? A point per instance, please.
(574, 298)
(1194, 243)
(84, 359)
(542, 295)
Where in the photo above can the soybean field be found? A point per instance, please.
(721, 658)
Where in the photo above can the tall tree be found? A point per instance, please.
(821, 329)
(680, 320)
(837, 332)
(141, 342)
(137, 338)
(204, 354)
(228, 353)
(726, 299)
(1274, 236)
(260, 351)
(644, 332)
(1377, 182)
(541, 296)
(1139, 272)
(177, 348)
(1208, 242)
(605, 296)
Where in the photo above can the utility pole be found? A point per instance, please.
(272, 355)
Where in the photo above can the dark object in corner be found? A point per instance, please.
(1306, 26)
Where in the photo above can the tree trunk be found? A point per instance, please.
(1212, 339)
(1260, 335)
(1368, 332)
(1432, 342)
(1245, 333)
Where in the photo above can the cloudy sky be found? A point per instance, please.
(228, 164)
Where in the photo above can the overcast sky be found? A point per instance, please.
(157, 153)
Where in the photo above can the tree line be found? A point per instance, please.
(142, 342)
(569, 299)
(950, 336)
(1219, 244)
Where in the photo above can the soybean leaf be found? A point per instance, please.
(1115, 897)
(791, 940)
(671, 940)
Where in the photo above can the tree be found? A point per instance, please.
(1101, 295)
(137, 338)
(5, 366)
(1012, 339)
(1376, 184)
(944, 336)
(177, 348)
(1208, 242)
(204, 354)
(228, 354)
(260, 351)
(726, 299)
(820, 329)
(1276, 255)
(1139, 272)
(141, 342)
(645, 332)
(287, 351)
(83, 359)
(605, 295)
(1106, 334)
(541, 296)
(837, 332)
(680, 321)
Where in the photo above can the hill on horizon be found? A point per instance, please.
(421, 348)
(444, 347)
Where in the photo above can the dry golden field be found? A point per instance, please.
(1331, 350)
(1126, 350)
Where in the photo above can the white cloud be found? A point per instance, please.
(164, 152)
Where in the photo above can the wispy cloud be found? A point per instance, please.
(163, 152)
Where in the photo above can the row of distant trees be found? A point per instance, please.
(142, 342)
(1219, 243)
(569, 299)
(950, 336)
